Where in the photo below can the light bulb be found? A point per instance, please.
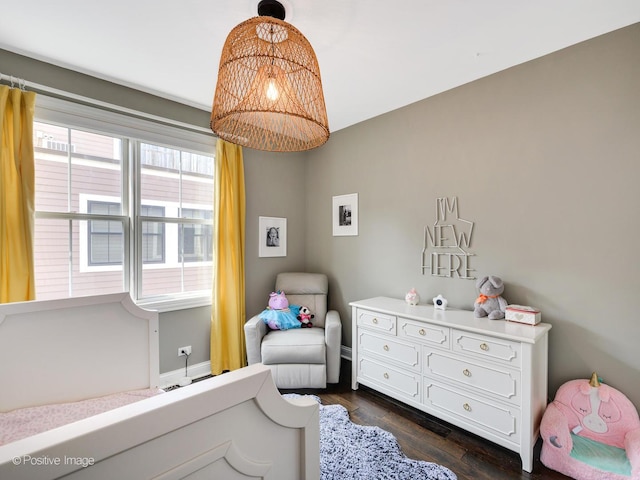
(272, 90)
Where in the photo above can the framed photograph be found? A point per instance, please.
(272, 236)
(345, 215)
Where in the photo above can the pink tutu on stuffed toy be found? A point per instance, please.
(279, 315)
(280, 319)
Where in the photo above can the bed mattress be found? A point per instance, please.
(25, 422)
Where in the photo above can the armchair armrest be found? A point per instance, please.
(254, 330)
(632, 447)
(333, 340)
(554, 428)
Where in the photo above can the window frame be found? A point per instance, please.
(134, 129)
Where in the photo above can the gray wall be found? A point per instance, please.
(274, 187)
(545, 159)
(86, 86)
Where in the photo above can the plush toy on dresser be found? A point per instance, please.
(490, 302)
(412, 297)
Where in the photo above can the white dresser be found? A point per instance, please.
(486, 376)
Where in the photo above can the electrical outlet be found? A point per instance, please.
(182, 351)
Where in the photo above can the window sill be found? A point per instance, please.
(172, 304)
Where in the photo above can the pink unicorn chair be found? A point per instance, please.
(591, 431)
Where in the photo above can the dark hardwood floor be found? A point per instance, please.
(423, 437)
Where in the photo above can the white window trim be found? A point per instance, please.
(76, 115)
(62, 111)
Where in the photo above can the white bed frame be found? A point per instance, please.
(232, 426)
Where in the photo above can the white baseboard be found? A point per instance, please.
(169, 379)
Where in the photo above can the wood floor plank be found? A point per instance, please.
(424, 437)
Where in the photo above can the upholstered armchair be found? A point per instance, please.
(299, 357)
(591, 431)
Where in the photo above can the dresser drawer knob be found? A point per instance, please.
(467, 407)
(484, 347)
(422, 332)
(386, 376)
(386, 348)
(375, 320)
(466, 372)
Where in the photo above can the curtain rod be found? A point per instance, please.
(11, 80)
(25, 85)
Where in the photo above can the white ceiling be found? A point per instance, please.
(375, 56)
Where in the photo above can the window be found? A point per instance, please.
(122, 204)
(106, 239)
(196, 239)
(152, 236)
(182, 182)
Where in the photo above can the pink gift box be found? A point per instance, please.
(522, 314)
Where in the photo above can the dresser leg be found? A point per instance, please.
(527, 461)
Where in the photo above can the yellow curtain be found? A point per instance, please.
(17, 195)
(228, 306)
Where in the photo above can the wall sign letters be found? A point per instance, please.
(445, 251)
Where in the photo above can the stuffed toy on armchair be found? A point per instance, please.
(591, 431)
(305, 316)
(279, 315)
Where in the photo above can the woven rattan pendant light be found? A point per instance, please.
(269, 93)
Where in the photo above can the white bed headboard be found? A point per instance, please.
(55, 351)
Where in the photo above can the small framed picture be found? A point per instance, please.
(345, 215)
(272, 237)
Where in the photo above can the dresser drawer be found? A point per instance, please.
(405, 383)
(424, 332)
(377, 321)
(488, 379)
(483, 414)
(491, 348)
(405, 354)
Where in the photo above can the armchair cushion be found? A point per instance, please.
(599, 455)
(303, 345)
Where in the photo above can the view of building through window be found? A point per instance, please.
(98, 230)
